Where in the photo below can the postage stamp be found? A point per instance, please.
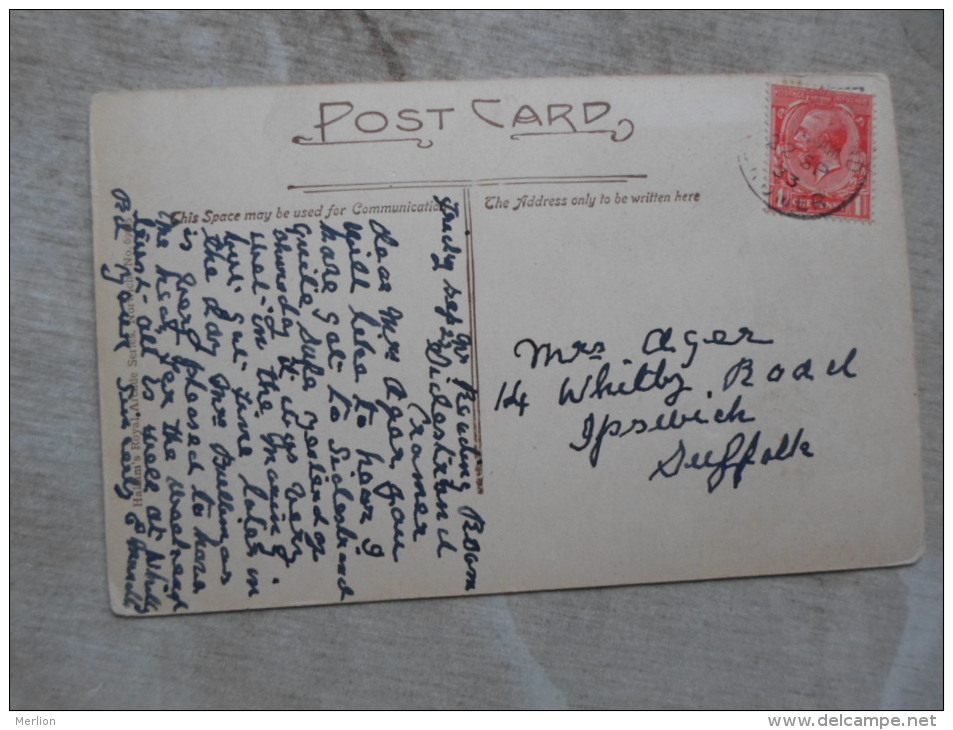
(821, 152)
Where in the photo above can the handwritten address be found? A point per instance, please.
(623, 398)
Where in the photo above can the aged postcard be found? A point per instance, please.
(369, 342)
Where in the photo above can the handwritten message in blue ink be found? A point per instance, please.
(288, 400)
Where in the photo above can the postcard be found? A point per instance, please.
(388, 341)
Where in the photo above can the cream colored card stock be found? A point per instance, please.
(426, 339)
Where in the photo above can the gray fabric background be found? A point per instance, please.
(859, 640)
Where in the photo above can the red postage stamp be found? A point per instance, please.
(820, 152)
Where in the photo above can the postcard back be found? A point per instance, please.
(368, 342)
